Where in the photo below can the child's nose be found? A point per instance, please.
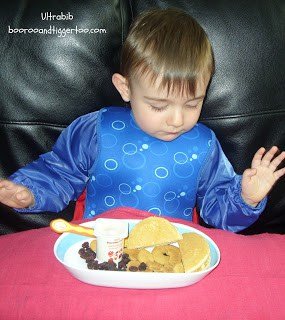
(176, 118)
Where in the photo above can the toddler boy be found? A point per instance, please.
(155, 155)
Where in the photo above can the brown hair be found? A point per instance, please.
(167, 43)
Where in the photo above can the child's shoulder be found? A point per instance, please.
(84, 122)
(88, 116)
(91, 119)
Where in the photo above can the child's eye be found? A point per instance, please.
(192, 105)
(157, 108)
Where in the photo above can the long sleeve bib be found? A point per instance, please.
(121, 165)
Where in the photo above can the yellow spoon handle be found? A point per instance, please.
(61, 225)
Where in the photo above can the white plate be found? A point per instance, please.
(66, 251)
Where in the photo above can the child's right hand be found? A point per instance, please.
(15, 195)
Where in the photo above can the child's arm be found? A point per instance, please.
(59, 176)
(15, 195)
(219, 193)
(260, 178)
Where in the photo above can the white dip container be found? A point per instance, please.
(110, 234)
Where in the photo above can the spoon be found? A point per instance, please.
(61, 225)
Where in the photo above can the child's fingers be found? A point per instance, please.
(269, 156)
(23, 197)
(14, 195)
(248, 173)
(6, 184)
(279, 173)
(6, 190)
(257, 157)
(275, 163)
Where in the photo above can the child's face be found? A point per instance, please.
(162, 115)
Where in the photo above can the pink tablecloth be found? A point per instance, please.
(249, 283)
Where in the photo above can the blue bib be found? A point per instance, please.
(134, 169)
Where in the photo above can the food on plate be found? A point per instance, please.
(132, 253)
(145, 256)
(165, 258)
(89, 256)
(93, 245)
(148, 250)
(195, 252)
(155, 267)
(205, 265)
(179, 268)
(151, 232)
(166, 255)
(133, 265)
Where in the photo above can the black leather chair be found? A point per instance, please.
(47, 80)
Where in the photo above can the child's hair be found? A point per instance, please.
(168, 43)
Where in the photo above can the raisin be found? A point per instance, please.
(142, 266)
(133, 268)
(126, 260)
(112, 267)
(89, 259)
(125, 256)
(103, 266)
(90, 265)
(81, 251)
(95, 265)
(85, 245)
(84, 255)
(122, 265)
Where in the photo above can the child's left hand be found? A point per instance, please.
(260, 178)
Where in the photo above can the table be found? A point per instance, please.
(249, 282)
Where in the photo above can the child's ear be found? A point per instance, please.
(122, 85)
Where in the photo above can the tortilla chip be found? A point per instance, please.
(195, 252)
(151, 232)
